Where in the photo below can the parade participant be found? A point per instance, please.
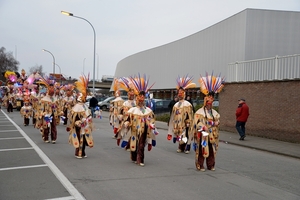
(80, 121)
(26, 112)
(10, 99)
(23, 76)
(181, 117)
(124, 131)
(141, 122)
(206, 124)
(68, 101)
(115, 109)
(49, 112)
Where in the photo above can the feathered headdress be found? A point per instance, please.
(140, 84)
(211, 84)
(68, 87)
(125, 83)
(185, 82)
(82, 86)
(46, 81)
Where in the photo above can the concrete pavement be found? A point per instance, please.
(264, 144)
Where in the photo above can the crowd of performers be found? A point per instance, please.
(49, 103)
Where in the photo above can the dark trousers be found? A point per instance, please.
(82, 145)
(210, 160)
(139, 154)
(51, 129)
(10, 107)
(26, 121)
(240, 127)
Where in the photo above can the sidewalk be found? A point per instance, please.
(273, 146)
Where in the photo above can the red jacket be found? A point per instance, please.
(242, 112)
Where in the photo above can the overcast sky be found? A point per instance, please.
(123, 28)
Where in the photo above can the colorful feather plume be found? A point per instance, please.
(11, 76)
(185, 82)
(211, 84)
(47, 81)
(82, 85)
(140, 84)
(125, 83)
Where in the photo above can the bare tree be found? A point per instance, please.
(7, 62)
(36, 68)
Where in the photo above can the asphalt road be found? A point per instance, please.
(31, 169)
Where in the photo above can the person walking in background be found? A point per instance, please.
(242, 114)
(93, 105)
(172, 103)
(189, 99)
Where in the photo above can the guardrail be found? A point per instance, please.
(274, 68)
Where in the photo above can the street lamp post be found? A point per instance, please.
(71, 14)
(83, 65)
(53, 59)
(97, 67)
(59, 72)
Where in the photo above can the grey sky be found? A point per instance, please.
(123, 28)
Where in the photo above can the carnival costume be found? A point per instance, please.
(206, 124)
(141, 121)
(124, 133)
(68, 101)
(26, 112)
(181, 117)
(49, 112)
(80, 121)
(115, 117)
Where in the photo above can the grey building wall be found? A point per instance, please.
(247, 35)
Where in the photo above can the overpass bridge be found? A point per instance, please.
(100, 85)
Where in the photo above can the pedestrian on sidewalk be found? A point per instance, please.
(242, 114)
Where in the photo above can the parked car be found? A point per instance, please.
(161, 105)
(105, 104)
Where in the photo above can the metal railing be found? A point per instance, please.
(274, 68)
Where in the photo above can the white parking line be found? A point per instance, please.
(23, 167)
(9, 130)
(63, 198)
(59, 175)
(16, 149)
(12, 138)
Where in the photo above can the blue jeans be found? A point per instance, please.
(93, 112)
(240, 127)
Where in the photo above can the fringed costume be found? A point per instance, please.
(115, 117)
(124, 133)
(80, 121)
(49, 112)
(206, 124)
(141, 122)
(181, 117)
(26, 112)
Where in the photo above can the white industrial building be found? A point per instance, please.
(248, 35)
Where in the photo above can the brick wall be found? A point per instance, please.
(274, 108)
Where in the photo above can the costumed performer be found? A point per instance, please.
(141, 122)
(115, 117)
(80, 121)
(206, 124)
(124, 133)
(49, 112)
(181, 117)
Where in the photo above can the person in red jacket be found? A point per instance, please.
(242, 114)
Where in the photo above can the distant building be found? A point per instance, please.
(248, 35)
